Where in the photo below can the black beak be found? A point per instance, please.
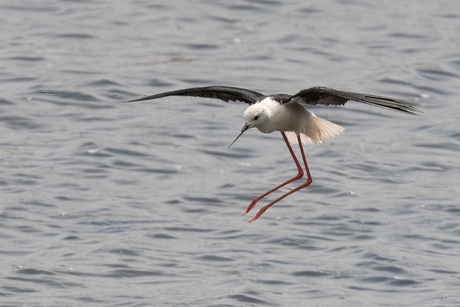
(245, 127)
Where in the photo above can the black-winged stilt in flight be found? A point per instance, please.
(284, 113)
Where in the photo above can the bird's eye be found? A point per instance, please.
(256, 117)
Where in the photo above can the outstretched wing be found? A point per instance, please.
(225, 93)
(328, 96)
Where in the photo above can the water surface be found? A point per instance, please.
(108, 203)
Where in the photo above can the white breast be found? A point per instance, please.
(290, 117)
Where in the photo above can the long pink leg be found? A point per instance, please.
(299, 175)
(306, 184)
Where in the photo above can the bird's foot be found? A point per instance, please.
(261, 211)
(251, 205)
(259, 214)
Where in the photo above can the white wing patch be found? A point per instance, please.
(316, 131)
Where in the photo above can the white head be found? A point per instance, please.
(255, 116)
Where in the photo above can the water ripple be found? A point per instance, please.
(110, 203)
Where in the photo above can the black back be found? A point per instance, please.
(314, 95)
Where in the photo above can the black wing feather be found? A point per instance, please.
(328, 96)
(225, 93)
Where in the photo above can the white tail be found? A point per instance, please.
(316, 131)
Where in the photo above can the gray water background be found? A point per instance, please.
(106, 203)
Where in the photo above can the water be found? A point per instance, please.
(106, 203)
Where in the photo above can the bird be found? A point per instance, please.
(287, 114)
